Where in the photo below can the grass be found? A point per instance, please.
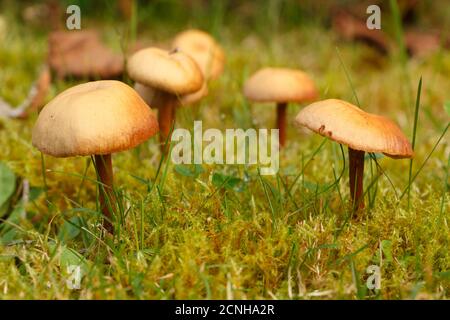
(413, 143)
(225, 232)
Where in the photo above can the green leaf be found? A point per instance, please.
(228, 182)
(68, 257)
(8, 231)
(186, 170)
(7, 183)
(70, 229)
(447, 107)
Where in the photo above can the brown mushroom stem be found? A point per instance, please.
(166, 116)
(103, 164)
(356, 170)
(281, 121)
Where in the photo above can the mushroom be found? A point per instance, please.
(161, 76)
(192, 98)
(148, 94)
(95, 118)
(360, 131)
(282, 86)
(202, 47)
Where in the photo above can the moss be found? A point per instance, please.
(182, 240)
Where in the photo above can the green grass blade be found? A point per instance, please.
(398, 29)
(416, 117)
(347, 75)
(425, 161)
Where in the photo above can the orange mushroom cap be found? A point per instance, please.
(204, 49)
(280, 85)
(94, 118)
(347, 124)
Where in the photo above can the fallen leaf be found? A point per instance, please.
(421, 43)
(46, 14)
(81, 54)
(354, 29)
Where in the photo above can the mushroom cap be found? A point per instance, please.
(347, 124)
(279, 85)
(170, 71)
(99, 117)
(204, 49)
(194, 97)
(150, 96)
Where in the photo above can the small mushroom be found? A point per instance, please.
(192, 98)
(95, 118)
(162, 77)
(360, 131)
(204, 49)
(148, 94)
(281, 86)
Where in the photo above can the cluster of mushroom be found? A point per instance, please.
(102, 117)
(167, 79)
(335, 119)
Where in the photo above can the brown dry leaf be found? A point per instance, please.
(421, 43)
(46, 14)
(81, 54)
(353, 29)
